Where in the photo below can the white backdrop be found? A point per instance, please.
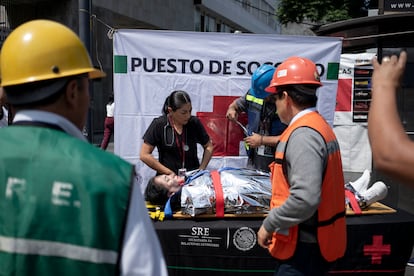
(149, 65)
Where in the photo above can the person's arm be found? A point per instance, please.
(305, 163)
(264, 237)
(236, 107)
(141, 250)
(147, 157)
(270, 140)
(256, 140)
(232, 111)
(392, 149)
(207, 154)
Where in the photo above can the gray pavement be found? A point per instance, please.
(409, 270)
(110, 147)
(97, 138)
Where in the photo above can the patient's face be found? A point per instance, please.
(171, 182)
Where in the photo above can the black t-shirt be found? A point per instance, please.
(171, 146)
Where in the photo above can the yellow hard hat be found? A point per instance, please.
(43, 50)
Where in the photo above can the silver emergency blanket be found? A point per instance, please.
(244, 192)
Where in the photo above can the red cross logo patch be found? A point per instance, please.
(377, 249)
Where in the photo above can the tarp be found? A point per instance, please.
(149, 65)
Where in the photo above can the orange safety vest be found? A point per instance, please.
(331, 228)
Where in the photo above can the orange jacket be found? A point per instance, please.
(331, 231)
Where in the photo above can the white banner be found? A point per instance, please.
(149, 65)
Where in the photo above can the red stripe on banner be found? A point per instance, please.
(218, 189)
(344, 95)
(353, 202)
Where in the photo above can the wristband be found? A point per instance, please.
(261, 140)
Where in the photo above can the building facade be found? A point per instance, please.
(95, 22)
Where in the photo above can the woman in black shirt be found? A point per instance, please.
(176, 134)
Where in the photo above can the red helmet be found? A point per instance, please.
(294, 70)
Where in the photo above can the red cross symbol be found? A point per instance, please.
(377, 249)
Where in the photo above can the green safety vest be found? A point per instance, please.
(63, 204)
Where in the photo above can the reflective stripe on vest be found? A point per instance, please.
(57, 249)
(254, 111)
(331, 231)
(253, 99)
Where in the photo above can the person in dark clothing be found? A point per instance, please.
(264, 125)
(176, 134)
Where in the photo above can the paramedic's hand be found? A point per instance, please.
(255, 140)
(264, 238)
(231, 113)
